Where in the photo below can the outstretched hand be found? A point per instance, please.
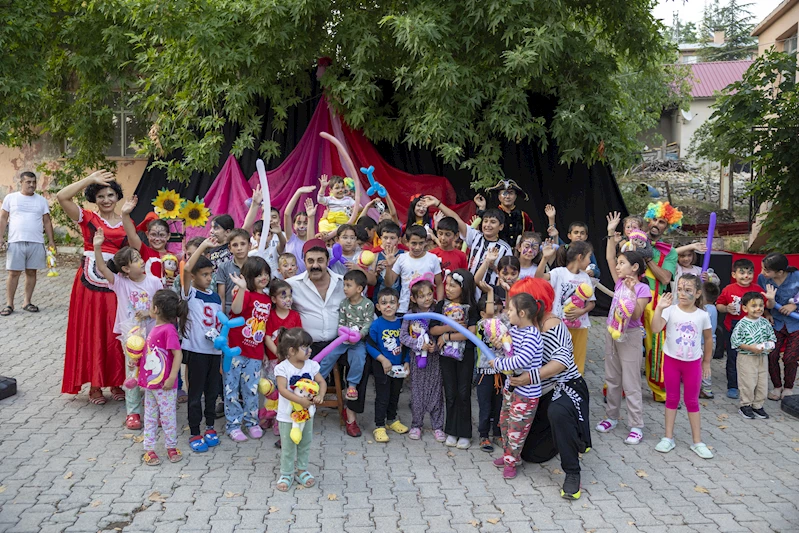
(99, 238)
(613, 222)
(130, 205)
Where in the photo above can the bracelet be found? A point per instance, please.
(438, 204)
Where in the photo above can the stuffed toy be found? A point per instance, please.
(638, 242)
(454, 349)
(270, 394)
(135, 346)
(618, 319)
(170, 264)
(577, 301)
(496, 328)
(418, 332)
(307, 388)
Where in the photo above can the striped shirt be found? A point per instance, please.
(527, 353)
(557, 347)
(752, 332)
(478, 247)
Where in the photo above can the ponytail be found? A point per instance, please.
(776, 262)
(172, 308)
(532, 307)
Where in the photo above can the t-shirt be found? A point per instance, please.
(256, 310)
(222, 276)
(641, 291)
(384, 339)
(339, 267)
(680, 272)
(669, 264)
(334, 204)
(156, 365)
(408, 268)
(732, 294)
(478, 246)
(528, 272)
(285, 369)
(294, 246)
(472, 317)
(219, 255)
(203, 307)
(133, 297)
(451, 260)
(565, 284)
(752, 332)
(274, 324)
(152, 261)
(380, 283)
(25, 217)
(528, 348)
(684, 333)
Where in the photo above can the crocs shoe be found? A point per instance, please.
(635, 436)
(197, 444)
(133, 421)
(211, 438)
(255, 432)
(606, 425)
(439, 435)
(398, 427)
(415, 434)
(702, 450)
(380, 435)
(665, 445)
(238, 435)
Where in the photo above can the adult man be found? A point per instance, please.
(516, 220)
(661, 218)
(27, 216)
(317, 293)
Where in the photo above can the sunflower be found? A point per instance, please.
(195, 214)
(167, 204)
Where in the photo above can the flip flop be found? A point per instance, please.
(7, 310)
(31, 308)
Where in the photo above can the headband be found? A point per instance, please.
(458, 278)
(427, 276)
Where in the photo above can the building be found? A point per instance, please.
(779, 28)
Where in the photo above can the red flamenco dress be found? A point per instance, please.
(93, 352)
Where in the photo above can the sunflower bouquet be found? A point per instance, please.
(170, 205)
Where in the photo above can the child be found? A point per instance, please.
(459, 293)
(417, 262)
(426, 386)
(345, 236)
(451, 257)
(729, 302)
(135, 287)
(221, 227)
(383, 345)
(754, 339)
(529, 250)
(623, 356)
(418, 213)
(294, 350)
(369, 225)
(578, 232)
(517, 221)
(710, 293)
(565, 281)
(296, 228)
(339, 205)
(239, 246)
(686, 360)
(202, 359)
(188, 252)
(519, 406)
(288, 266)
(489, 381)
(389, 237)
(158, 373)
(355, 312)
(686, 257)
(251, 302)
(157, 235)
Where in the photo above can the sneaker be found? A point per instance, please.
(485, 445)
(509, 472)
(606, 425)
(702, 450)
(133, 421)
(255, 432)
(732, 393)
(439, 435)
(499, 462)
(498, 442)
(380, 435)
(211, 438)
(635, 436)
(706, 394)
(398, 427)
(451, 441)
(760, 413)
(197, 444)
(787, 392)
(352, 429)
(571, 487)
(415, 434)
(665, 445)
(238, 435)
(775, 394)
(464, 443)
(747, 412)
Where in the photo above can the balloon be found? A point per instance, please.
(346, 162)
(711, 229)
(485, 351)
(366, 258)
(338, 256)
(793, 315)
(374, 185)
(221, 342)
(345, 334)
(267, 204)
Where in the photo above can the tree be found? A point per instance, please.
(756, 119)
(683, 32)
(735, 20)
(461, 74)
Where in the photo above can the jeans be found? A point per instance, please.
(356, 359)
(242, 379)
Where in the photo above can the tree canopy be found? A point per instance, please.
(461, 74)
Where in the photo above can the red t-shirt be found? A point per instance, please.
(152, 261)
(256, 310)
(733, 293)
(274, 324)
(451, 260)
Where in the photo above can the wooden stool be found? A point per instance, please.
(338, 402)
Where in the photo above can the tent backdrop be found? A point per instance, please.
(579, 192)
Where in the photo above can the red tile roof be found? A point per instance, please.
(712, 77)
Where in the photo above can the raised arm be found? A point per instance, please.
(431, 200)
(610, 251)
(488, 261)
(65, 196)
(252, 212)
(355, 208)
(130, 228)
(547, 253)
(288, 214)
(658, 322)
(320, 196)
(392, 210)
(210, 242)
(238, 300)
(102, 268)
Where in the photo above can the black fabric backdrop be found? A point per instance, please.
(579, 192)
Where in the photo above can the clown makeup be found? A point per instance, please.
(283, 300)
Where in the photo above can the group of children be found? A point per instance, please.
(430, 264)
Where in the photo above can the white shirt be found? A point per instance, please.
(25, 217)
(684, 332)
(565, 284)
(409, 268)
(286, 370)
(203, 306)
(319, 317)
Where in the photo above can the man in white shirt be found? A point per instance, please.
(26, 215)
(316, 294)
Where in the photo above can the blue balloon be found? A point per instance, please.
(221, 341)
(485, 351)
(793, 315)
(375, 186)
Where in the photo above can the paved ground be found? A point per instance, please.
(66, 465)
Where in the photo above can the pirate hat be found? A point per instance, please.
(508, 184)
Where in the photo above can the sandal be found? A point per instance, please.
(96, 396)
(31, 308)
(7, 310)
(285, 480)
(352, 394)
(305, 479)
(151, 459)
(174, 455)
(117, 394)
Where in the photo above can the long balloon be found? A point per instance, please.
(344, 334)
(711, 229)
(267, 205)
(485, 351)
(342, 154)
(793, 315)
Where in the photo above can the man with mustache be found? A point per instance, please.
(317, 293)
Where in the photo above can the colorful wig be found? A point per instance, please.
(664, 210)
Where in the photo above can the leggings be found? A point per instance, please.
(690, 373)
(789, 342)
(160, 404)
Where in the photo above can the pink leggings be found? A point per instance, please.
(690, 373)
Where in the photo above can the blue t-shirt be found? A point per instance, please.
(384, 339)
(785, 292)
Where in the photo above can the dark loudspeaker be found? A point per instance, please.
(721, 263)
(8, 387)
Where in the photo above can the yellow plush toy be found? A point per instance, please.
(306, 388)
(577, 301)
(269, 392)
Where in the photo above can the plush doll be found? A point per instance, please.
(454, 349)
(135, 346)
(496, 328)
(638, 242)
(617, 321)
(170, 264)
(51, 271)
(270, 394)
(577, 301)
(418, 332)
(307, 388)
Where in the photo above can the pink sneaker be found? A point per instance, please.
(238, 435)
(509, 472)
(255, 432)
(415, 434)
(440, 435)
(499, 462)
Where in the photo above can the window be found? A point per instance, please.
(127, 129)
(790, 44)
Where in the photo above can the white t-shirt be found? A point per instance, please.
(286, 370)
(565, 283)
(133, 297)
(684, 333)
(339, 267)
(25, 217)
(203, 306)
(409, 268)
(528, 272)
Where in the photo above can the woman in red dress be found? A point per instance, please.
(93, 351)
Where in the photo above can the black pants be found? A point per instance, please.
(203, 378)
(387, 393)
(732, 358)
(457, 378)
(489, 399)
